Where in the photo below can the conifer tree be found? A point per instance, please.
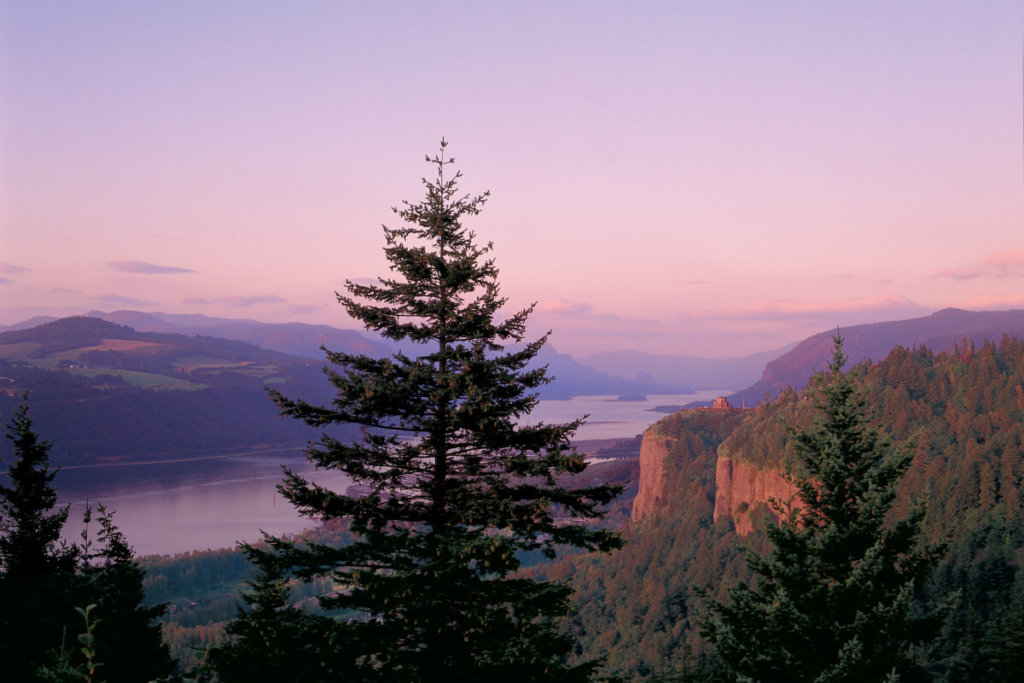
(128, 636)
(44, 579)
(454, 489)
(274, 640)
(36, 567)
(30, 542)
(834, 598)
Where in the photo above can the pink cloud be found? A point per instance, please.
(300, 309)
(565, 307)
(998, 265)
(791, 310)
(143, 268)
(246, 301)
(12, 269)
(994, 302)
(118, 299)
(1005, 263)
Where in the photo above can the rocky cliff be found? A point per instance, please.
(743, 478)
(651, 494)
(740, 487)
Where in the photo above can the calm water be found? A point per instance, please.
(184, 505)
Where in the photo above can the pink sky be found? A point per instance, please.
(678, 177)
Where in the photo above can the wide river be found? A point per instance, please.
(181, 505)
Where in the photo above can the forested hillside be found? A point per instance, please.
(965, 412)
(107, 393)
(938, 331)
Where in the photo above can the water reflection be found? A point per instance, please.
(181, 505)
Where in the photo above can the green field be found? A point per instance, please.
(146, 380)
(18, 351)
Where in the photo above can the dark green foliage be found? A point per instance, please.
(44, 580)
(834, 598)
(30, 542)
(128, 637)
(37, 568)
(454, 490)
(635, 607)
(964, 409)
(273, 640)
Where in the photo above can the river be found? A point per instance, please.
(181, 505)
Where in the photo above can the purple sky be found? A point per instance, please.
(678, 177)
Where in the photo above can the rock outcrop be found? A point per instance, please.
(740, 487)
(651, 495)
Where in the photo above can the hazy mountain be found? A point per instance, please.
(300, 339)
(297, 339)
(574, 379)
(938, 331)
(26, 324)
(699, 373)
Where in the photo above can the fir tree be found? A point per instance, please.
(30, 543)
(455, 489)
(44, 579)
(834, 598)
(274, 640)
(128, 636)
(37, 569)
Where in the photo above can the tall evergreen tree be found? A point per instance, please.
(127, 638)
(44, 579)
(454, 488)
(834, 598)
(30, 527)
(274, 640)
(37, 569)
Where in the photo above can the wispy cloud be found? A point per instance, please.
(813, 310)
(12, 269)
(994, 302)
(998, 265)
(4, 281)
(144, 268)
(565, 307)
(118, 299)
(566, 310)
(235, 301)
(300, 309)
(246, 301)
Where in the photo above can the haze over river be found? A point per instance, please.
(182, 505)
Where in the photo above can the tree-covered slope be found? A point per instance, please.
(939, 332)
(964, 409)
(106, 393)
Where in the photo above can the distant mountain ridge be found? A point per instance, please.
(297, 339)
(84, 331)
(305, 341)
(700, 373)
(939, 331)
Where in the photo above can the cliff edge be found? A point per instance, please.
(741, 486)
(651, 495)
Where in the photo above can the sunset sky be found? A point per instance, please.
(704, 178)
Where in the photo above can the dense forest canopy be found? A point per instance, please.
(965, 411)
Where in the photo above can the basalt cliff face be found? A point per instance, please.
(651, 496)
(741, 484)
(677, 451)
(740, 487)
